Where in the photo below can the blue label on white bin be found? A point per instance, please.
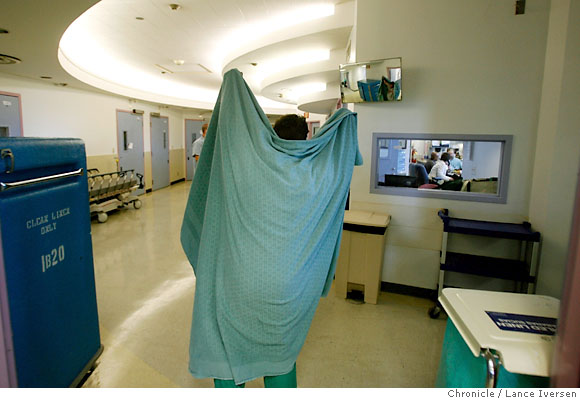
(524, 323)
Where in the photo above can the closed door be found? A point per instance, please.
(160, 151)
(130, 143)
(10, 115)
(192, 133)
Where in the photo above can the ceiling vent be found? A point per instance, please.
(163, 69)
(5, 59)
(182, 67)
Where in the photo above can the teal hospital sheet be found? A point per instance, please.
(262, 229)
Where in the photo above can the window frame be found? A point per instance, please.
(503, 176)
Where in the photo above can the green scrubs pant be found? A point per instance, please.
(280, 381)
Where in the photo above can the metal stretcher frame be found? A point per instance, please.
(112, 190)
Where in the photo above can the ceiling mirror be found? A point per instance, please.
(371, 81)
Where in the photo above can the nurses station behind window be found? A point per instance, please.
(446, 166)
(48, 307)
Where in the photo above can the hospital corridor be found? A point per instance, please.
(145, 289)
(290, 194)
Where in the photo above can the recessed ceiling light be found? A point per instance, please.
(139, 18)
(179, 62)
(2, 30)
(61, 84)
(6, 59)
(254, 64)
(46, 77)
(174, 7)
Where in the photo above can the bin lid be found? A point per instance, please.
(519, 327)
(367, 218)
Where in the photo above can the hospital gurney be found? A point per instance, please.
(112, 190)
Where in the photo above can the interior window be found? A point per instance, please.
(463, 167)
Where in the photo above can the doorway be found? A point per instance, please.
(160, 151)
(130, 143)
(10, 115)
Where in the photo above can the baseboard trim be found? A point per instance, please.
(430, 294)
(177, 181)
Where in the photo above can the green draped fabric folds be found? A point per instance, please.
(261, 229)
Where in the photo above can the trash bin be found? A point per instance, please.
(497, 339)
(48, 307)
(360, 261)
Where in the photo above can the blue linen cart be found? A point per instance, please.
(48, 307)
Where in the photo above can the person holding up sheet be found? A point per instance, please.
(261, 259)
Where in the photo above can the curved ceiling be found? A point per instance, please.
(288, 50)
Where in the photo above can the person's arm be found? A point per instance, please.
(440, 171)
(196, 150)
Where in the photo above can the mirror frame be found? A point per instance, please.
(504, 169)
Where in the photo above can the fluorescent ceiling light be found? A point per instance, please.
(254, 30)
(85, 51)
(295, 92)
(292, 60)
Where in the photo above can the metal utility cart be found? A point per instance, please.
(109, 191)
(520, 270)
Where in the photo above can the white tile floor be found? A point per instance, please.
(145, 289)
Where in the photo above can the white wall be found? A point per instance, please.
(482, 160)
(469, 67)
(50, 111)
(557, 157)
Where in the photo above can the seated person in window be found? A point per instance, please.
(429, 164)
(454, 162)
(438, 173)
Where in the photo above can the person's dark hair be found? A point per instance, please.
(291, 127)
(445, 157)
(434, 156)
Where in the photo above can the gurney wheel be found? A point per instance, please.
(434, 312)
(137, 204)
(102, 217)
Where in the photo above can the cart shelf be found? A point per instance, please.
(487, 266)
(500, 230)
